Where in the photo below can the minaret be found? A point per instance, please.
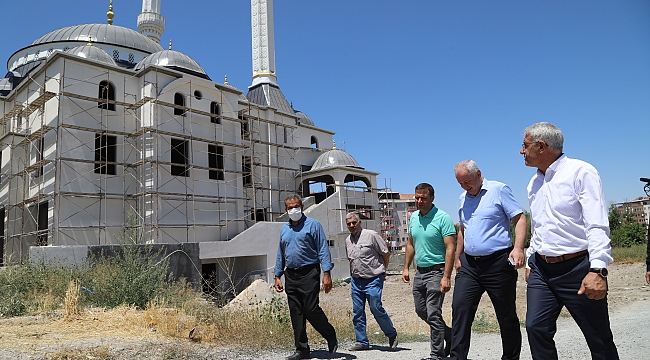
(150, 22)
(265, 90)
(263, 42)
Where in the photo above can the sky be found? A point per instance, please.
(412, 87)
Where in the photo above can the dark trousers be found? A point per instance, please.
(499, 279)
(552, 286)
(302, 287)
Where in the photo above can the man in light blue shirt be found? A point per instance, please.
(486, 259)
(301, 253)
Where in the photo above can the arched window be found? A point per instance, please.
(179, 99)
(314, 142)
(215, 109)
(106, 93)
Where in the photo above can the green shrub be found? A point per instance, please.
(628, 235)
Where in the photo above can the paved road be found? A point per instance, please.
(629, 325)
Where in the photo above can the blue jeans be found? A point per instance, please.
(371, 290)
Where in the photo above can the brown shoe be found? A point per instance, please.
(359, 347)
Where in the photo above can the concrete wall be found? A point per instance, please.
(183, 258)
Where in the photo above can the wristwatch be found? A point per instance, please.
(600, 271)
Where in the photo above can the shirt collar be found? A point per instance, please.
(480, 192)
(552, 169)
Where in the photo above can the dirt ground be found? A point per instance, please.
(42, 337)
(626, 284)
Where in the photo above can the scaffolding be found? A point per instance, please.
(53, 193)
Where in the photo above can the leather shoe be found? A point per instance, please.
(332, 346)
(299, 355)
(392, 342)
(359, 347)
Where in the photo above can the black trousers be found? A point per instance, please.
(302, 287)
(552, 286)
(499, 279)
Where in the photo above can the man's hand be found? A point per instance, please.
(405, 276)
(527, 274)
(519, 257)
(594, 286)
(327, 282)
(647, 277)
(278, 285)
(457, 263)
(445, 284)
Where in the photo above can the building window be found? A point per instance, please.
(131, 58)
(106, 95)
(198, 95)
(180, 155)
(245, 129)
(403, 213)
(215, 109)
(105, 153)
(364, 211)
(403, 222)
(314, 142)
(116, 55)
(406, 231)
(246, 169)
(39, 147)
(330, 243)
(215, 161)
(41, 237)
(179, 100)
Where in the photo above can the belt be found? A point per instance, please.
(490, 256)
(303, 268)
(558, 259)
(426, 269)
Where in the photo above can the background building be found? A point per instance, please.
(639, 208)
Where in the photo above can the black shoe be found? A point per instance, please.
(299, 355)
(392, 342)
(332, 346)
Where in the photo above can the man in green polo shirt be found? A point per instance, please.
(432, 239)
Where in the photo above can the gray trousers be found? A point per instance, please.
(428, 305)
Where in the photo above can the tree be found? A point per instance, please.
(628, 235)
(614, 217)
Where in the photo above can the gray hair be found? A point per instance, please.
(469, 165)
(547, 132)
(352, 215)
(291, 197)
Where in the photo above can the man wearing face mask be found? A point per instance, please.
(301, 254)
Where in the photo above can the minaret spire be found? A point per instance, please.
(263, 42)
(150, 22)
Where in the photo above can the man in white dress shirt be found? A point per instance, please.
(569, 249)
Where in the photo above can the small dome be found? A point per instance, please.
(101, 33)
(303, 118)
(92, 53)
(172, 59)
(334, 158)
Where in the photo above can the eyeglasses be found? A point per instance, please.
(525, 145)
(352, 223)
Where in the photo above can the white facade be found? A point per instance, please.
(91, 148)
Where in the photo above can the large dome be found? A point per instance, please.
(335, 158)
(103, 34)
(92, 53)
(172, 59)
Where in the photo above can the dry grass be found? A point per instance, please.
(71, 300)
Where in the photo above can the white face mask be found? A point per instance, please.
(295, 214)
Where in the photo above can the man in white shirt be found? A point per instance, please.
(569, 249)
